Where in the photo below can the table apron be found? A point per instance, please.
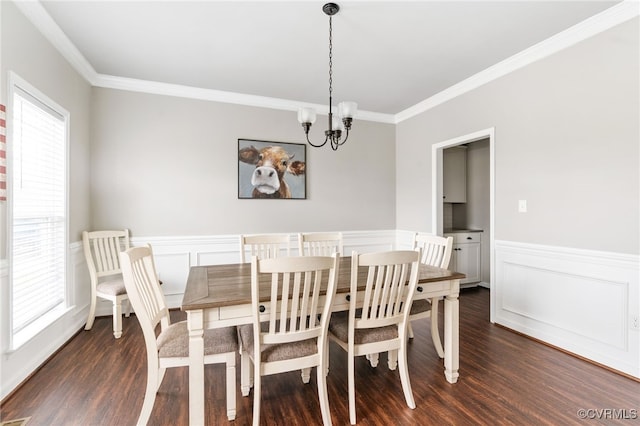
(242, 314)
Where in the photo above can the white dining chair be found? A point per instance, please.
(265, 246)
(379, 321)
(436, 251)
(101, 251)
(170, 348)
(320, 243)
(289, 329)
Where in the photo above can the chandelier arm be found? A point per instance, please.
(346, 136)
(317, 146)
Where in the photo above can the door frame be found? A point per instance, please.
(437, 191)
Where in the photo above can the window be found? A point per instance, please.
(37, 175)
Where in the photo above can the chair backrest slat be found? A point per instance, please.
(320, 243)
(143, 287)
(102, 250)
(436, 250)
(390, 284)
(265, 246)
(295, 286)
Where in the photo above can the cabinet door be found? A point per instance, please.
(454, 171)
(466, 258)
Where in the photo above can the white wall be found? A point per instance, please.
(169, 166)
(27, 53)
(566, 140)
(165, 166)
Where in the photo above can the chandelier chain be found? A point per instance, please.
(346, 110)
(330, 59)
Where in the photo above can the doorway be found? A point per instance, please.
(476, 139)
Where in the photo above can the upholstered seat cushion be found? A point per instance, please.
(112, 287)
(276, 352)
(420, 306)
(339, 327)
(174, 341)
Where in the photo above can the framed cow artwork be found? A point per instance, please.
(271, 170)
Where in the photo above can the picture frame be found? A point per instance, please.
(271, 170)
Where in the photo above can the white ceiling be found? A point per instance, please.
(387, 55)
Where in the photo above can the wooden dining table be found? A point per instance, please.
(220, 296)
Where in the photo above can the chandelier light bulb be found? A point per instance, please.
(306, 115)
(336, 124)
(347, 109)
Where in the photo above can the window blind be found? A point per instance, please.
(38, 209)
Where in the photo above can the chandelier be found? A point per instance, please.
(346, 110)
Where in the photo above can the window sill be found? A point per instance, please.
(32, 330)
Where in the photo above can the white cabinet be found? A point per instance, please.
(454, 174)
(466, 256)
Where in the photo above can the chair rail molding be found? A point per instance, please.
(582, 301)
(176, 254)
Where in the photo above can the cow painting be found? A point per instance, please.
(272, 165)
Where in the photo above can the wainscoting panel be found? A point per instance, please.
(173, 270)
(579, 300)
(175, 255)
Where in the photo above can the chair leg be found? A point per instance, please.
(373, 359)
(153, 383)
(410, 331)
(160, 377)
(231, 386)
(322, 393)
(127, 312)
(306, 375)
(245, 373)
(92, 313)
(435, 332)
(392, 359)
(256, 395)
(352, 388)
(326, 358)
(404, 378)
(117, 318)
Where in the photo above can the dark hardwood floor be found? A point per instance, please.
(505, 378)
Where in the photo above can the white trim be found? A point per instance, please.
(436, 172)
(609, 18)
(174, 255)
(436, 190)
(624, 11)
(622, 260)
(167, 89)
(583, 301)
(41, 19)
(15, 82)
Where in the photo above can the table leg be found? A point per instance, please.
(195, 325)
(451, 335)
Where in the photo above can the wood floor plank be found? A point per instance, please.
(505, 379)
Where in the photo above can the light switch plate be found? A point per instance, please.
(522, 206)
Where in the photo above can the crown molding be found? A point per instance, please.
(36, 13)
(622, 12)
(167, 89)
